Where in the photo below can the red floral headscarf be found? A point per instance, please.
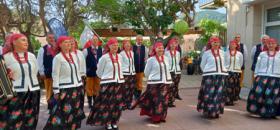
(211, 40)
(110, 42)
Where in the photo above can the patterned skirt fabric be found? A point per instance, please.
(211, 95)
(21, 112)
(264, 97)
(108, 105)
(66, 113)
(174, 87)
(154, 102)
(232, 87)
(128, 90)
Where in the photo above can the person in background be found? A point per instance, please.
(179, 49)
(21, 112)
(128, 69)
(140, 55)
(173, 57)
(234, 63)
(257, 49)
(263, 99)
(244, 51)
(92, 55)
(211, 93)
(44, 58)
(108, 106)
(67, 84)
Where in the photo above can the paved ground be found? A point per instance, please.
(185, 116)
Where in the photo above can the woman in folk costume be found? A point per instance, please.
(128, 72)
(211, 94)
(263, 99)
(154, 101)
(82, 66)
(21, 112)
(174, 58)
(107, 108)
(67, 82)
(234, 62)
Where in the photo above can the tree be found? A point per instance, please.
(24, 15)
(209, 28)
(188, 8)
(151, 16)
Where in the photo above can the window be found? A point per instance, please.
(273, 14)
(272, 22)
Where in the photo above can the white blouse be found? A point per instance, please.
(128, 67)
(65, 74)
(211, 65)
(174, 62)
(268, 66)
(81, 61)
(24, 74)
(108, 71)
(156, 72)
(234, 63)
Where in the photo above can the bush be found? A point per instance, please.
(35, 44)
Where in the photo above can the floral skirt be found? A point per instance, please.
(211, 95)
(128, 89)
(264, 97)
(154, 102)
(66, 114)
(107, 108)
(21, 112)
(174, 87)
(232, 87)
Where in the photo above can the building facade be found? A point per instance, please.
(252, 19)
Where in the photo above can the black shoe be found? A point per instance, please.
(90, 103)
(178, 97)
(137, 94)
(171, 105)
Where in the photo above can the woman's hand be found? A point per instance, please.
(10, 74)
(56, 96)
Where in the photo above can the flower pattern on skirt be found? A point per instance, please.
(174, 87)
(232, 87)
(67, 113)
(154, 102)
(128, 90)
(20, 112)
(264, 97)
(108, 105)
(211, 95)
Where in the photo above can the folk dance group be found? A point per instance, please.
(111, 78)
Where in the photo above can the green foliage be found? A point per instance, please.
(193, 54)
(35, 44)
(99, 25)
(111, 9)
(181, 27)
(1, 42)
(210, 27)
(157, 15)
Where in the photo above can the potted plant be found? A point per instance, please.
(192, 61)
